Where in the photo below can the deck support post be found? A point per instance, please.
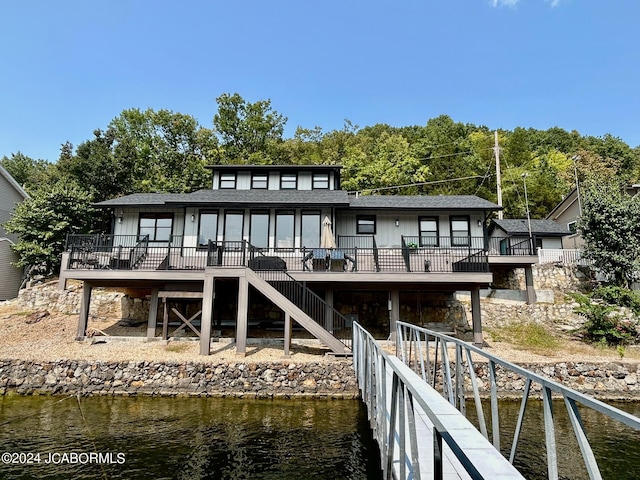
(394, 313)
(328, 313)
(153, 313)
(83, 316)
(287, 334)
(243, 307)
(476, 317)
(207, 314)
(531, 291)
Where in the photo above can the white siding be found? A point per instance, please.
(304, 181)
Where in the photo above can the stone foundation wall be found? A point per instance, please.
(549, 276)
(336, 379)
(612, 380)
(497, 313)
(105, 303)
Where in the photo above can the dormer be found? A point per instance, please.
(276, 177)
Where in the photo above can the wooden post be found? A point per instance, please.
(531, 291)
(243, 307)
(476, 317)
(328, 314)
(83, 316)
(165, 319)
(153, 314)
(287, 334)
(207, 314)
(394, 313)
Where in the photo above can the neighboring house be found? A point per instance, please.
(291, 235)
(568, 211)
(510, 235)
(10, 276)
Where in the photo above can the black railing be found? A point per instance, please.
(272, 269)
(355, 241)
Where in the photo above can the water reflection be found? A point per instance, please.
(191, 438)
(615, 446)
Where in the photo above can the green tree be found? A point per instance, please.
(28, 172)
(248, 132)
(611, 231)
(43, 221)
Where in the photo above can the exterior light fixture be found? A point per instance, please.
(193, 217)
(397, 222)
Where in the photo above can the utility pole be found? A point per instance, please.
(496, 150)
(526, 200)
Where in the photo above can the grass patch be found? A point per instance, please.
(526, 335)
(177, 347)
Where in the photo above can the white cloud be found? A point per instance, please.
(507, 3)
(513, 3)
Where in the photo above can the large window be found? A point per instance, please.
(233, 224)
(460, 232)
(227, 180)
(157, 225)
(310, 229)
(428, 231)
(366, 224)
(259, 235)
(320, 181)
(288, 181)
(208, 228)
(260, 181)
(284, 229)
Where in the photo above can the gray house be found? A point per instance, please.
(516, 234)
(289, 236)
(10, 276)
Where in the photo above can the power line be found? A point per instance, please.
(417, 184)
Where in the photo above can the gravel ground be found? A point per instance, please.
(24, 336)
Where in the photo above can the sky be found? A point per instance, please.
(69, 67)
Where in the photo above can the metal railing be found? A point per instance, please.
(560, 255)
(427, 353)
(493, 246)
(299, 294)
(396, 401)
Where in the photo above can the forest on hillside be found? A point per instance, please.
(165, 151)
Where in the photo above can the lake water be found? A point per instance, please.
(210, 438)
(187, 438)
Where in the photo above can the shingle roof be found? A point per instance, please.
(232, 197)
(434, 202)
(520, 226)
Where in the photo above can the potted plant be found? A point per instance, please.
(412, 246)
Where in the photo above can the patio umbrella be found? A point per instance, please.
(327, 240)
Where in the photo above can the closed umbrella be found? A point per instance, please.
(327, 240)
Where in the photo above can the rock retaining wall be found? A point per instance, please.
(612, 380)
(335, 379)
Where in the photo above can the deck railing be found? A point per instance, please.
(427, 353)
(135, 252)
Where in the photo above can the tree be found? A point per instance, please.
(248, 132)
(29, 173)
(43, 221)
(611, 231)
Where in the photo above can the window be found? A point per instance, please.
(288, 181)
(366, 224)
(228, 180)
(320, 181)
(208, 228)
(157, 225)
(259, 235)
(284, 229)
(428, 231)
(260, 181)
(460, 232)
(233, 225)
(310, 229)
(572, 226)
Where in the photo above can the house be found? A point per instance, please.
(10, 276)
(291, 237)
(568, 212)
(513, 234)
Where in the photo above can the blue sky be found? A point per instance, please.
(70, 67)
